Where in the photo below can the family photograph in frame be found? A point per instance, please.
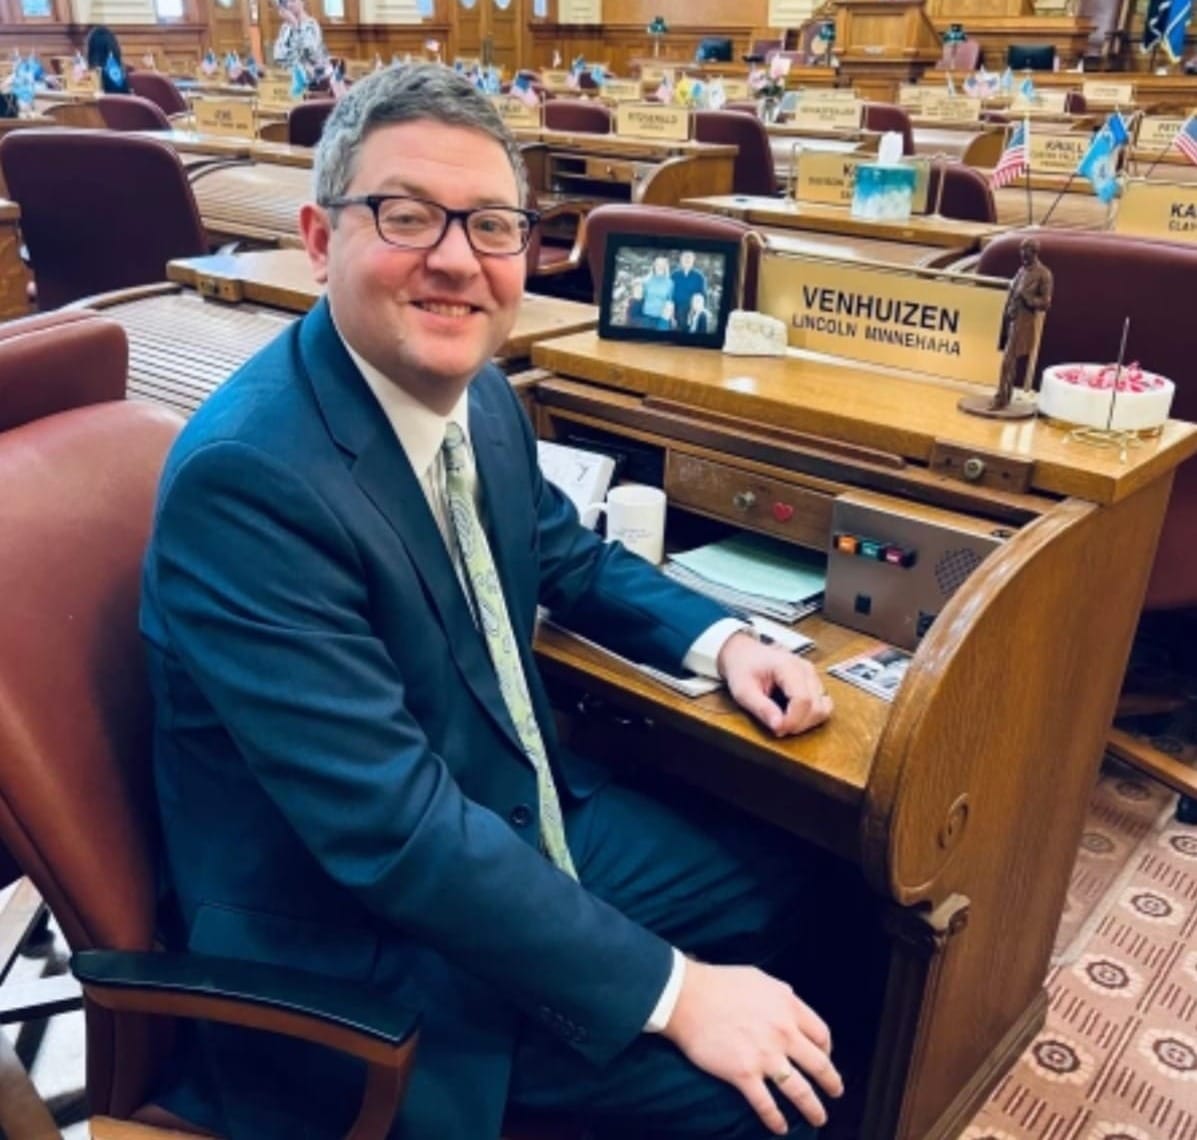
(669, 289)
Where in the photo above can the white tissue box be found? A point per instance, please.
(754, 334)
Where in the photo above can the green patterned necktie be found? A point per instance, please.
(491, 611)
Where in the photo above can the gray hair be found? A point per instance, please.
(404, 94)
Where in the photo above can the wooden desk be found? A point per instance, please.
(780, 213)
(974, 144)
(182, 346)
(258, 201)
(608, 168)
(1079, 211)
(961, 804)
(192, 144)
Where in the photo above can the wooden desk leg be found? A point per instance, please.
(921, 949)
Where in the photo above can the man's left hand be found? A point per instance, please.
(755, 673)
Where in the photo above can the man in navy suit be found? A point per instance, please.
(355, 758)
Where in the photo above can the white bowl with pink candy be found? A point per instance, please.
(1083, 394)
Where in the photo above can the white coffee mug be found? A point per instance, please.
(636, 517)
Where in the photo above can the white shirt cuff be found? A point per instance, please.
(704, 653)
(663, 1010)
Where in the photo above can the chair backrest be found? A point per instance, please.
(578, 116)
(76, 801)
(158, 89)
(305, 121)
(57, 361)
(1156, 281)
(753, 172)
(131, 113)
(660, 221)
(1035, 57)
(713, 49)
(100, 210)
(762, 49)
(1075, 103)
(967, 194)
(962, 56)
(890, 117)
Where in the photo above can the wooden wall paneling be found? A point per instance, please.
(712, 15)
(229, 26)
(467, 24)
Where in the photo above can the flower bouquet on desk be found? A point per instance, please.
(657, 28)
(768, 85)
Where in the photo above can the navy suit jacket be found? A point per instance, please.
(340, 786)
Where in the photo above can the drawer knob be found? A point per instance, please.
(974, 468)
(744, 500)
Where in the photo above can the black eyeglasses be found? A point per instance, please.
(415, 223)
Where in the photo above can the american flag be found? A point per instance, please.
(1186, 139)
(1015, 158)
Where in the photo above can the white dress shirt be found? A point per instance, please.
(421, 431)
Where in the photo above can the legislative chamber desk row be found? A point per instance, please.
(953, 814)
(960, 806)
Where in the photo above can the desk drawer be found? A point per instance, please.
(610, 170)
(744, 499)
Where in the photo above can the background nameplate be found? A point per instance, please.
(1057, 153)
(1158, 209)
(896, 318)
(224, 117)
(652, 121)
(515, 113)
(276, 93)
(827, 114)
(1111, 94)
(1156, 132)
(623, 90)
(1042, 102)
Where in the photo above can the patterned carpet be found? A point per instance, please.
(1118, 1057)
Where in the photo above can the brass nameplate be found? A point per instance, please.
(555, 80)
(623, 90)
(1042, 103)
(829, 94)
(651, 73)
(1110, 94)
(652, 121)
(825, 177)
(516, 113)
(831, 178)
(944, 108)
(1057, 153)
(912, 96)
(356, 69)
(224, 117)
(275, 93)
(736, 89)
(888, 317)
(827, 114)
(1156, 132)
(1159, 210)
(86, 84)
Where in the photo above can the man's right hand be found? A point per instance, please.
(749, 1029)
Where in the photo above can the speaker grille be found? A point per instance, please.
(953, 567)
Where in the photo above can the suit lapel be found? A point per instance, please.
(381, 469)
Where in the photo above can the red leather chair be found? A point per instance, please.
(967, 194)
(75, 792)
(1153, 284)
(158, 89)
(889, 117)
(660, 221)
(131, 113)
(754, 173)
(1075, 103)
(577, 116)
(963, 56)
(48, 364)
(100, 210)
(305, 121)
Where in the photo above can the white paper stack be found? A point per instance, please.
(753, 574)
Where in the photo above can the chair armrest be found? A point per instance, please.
(350, 1018)
(203, 985)
(579, 211)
